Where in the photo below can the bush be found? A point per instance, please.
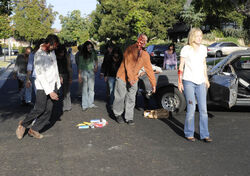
(217, 33)
(236, 33)
(209, 36)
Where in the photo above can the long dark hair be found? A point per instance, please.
(173, 45)
(84, 50)
(61, 48)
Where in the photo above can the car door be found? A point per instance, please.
(223, 89)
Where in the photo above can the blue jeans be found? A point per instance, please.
(88, 93)
(192, 90)
(25, 93)
(170, 67)
(111, 83)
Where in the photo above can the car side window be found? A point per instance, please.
(232, 44)
(224, 45)
(243, 63)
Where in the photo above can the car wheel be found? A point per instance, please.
(173, 101)
(218, 54)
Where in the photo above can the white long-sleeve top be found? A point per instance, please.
(47, 76)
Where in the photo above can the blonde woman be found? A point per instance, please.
(194, 82)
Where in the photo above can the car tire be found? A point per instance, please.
(171, 100)
(218, 54)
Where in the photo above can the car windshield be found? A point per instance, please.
(213, 45)
(219, 65)
(161, 47)
(150, 48)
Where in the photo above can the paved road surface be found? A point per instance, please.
(150, 148)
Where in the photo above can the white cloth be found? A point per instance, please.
(194, 63)
(47, 76)
(154, 67)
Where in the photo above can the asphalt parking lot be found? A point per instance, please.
(150, 148)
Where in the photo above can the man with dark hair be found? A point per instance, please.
(47, 83)
(134, 58)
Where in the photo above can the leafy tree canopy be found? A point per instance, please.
(119, 20)
(5, 28)
(33, 19)
(5, 7)
(219, 11)
(74, 27)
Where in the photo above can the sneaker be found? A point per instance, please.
(84, 109)
(130, 122)
(119, 119)
(20, 130)
(93, 106)
(35, 134)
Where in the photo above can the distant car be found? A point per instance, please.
(156, 53)
(230, 80)
(5, 51)
(220, 49)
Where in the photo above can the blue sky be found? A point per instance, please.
(63, 7)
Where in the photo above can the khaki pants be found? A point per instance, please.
(124, 99)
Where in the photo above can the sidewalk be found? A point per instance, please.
(5, 64)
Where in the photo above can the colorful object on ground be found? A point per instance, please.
(95, 123)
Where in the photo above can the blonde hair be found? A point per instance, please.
(191, 35)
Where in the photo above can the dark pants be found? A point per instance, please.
(41, 112)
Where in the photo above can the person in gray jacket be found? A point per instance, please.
(47, 83)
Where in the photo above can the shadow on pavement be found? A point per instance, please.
(176, 126)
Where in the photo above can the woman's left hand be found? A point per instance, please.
(207, 84)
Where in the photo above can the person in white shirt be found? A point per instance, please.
(193, 80)
(47, 83)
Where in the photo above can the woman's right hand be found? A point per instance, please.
(180, 87)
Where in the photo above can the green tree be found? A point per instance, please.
(5, 7)
(220, 11)
(123, 20)
(33, 19)
(5, 28)
(74, 27)
(192, 18)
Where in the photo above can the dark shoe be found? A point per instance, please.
(35, 134)
(119, 119)
(131, 122)
(20, 130)
(30, 104)
(208, 140)
(191, 139)
(23, 103)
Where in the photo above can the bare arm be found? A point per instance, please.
(205, 74)
(180, 74)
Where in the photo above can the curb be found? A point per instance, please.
(5, 68)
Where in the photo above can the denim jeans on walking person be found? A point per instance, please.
(170, 67)
(25, 93)
(88, 78)
(198, 91)
(111, 83)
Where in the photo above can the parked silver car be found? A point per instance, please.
(220, 49)
(13, 52)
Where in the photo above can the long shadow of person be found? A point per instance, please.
(176, 125)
